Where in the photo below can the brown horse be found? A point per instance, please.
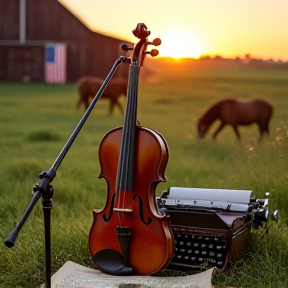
(88, 87)
(234, 113)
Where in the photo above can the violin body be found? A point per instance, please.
(151, 244)
(129, 235)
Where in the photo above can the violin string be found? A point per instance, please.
(124, 150)
(130, 159)
(122, 163)
(120, 172)
(130, 137)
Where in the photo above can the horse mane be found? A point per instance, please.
(212, 113)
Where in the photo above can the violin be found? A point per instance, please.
(129, 236)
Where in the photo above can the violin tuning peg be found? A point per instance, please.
(157, 41)
(154, 52)
(125, 47)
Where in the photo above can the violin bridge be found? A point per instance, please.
(122, 210)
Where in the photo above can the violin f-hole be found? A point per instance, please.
(141, 214)
(111, 210)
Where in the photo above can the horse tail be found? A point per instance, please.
(268, 119)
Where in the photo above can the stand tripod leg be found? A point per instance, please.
(47, 206)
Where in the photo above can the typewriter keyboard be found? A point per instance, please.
(197, 250)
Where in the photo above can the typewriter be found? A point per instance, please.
(211, 227)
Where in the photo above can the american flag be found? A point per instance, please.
(55, 63)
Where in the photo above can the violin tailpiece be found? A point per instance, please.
(124, 236)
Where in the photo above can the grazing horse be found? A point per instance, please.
(234, 113)
(88, 87)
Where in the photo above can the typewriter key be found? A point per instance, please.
(213, 261)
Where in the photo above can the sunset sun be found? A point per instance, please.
(180, 44)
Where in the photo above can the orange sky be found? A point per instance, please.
(190, 28)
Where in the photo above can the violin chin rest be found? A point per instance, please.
(111, 262)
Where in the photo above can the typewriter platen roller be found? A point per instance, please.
(210, 226)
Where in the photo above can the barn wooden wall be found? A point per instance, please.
(88, 53)
(22, 63)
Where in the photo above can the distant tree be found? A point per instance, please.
(217, 57)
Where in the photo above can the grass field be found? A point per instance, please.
(36, 120)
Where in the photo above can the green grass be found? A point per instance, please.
(37, 120)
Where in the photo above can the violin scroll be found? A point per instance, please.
(141, 31)
(139, 53)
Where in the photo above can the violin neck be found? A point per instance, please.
(125, 172)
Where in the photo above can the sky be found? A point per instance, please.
(191, 28)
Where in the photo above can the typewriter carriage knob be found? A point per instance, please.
(260, 211)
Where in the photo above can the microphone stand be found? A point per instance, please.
(43, 187)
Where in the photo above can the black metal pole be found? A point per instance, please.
(44, 189)
(47, 205)
(10, 240)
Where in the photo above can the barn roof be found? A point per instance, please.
(9, 8)
(83, 21)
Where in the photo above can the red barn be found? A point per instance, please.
(42, 41)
